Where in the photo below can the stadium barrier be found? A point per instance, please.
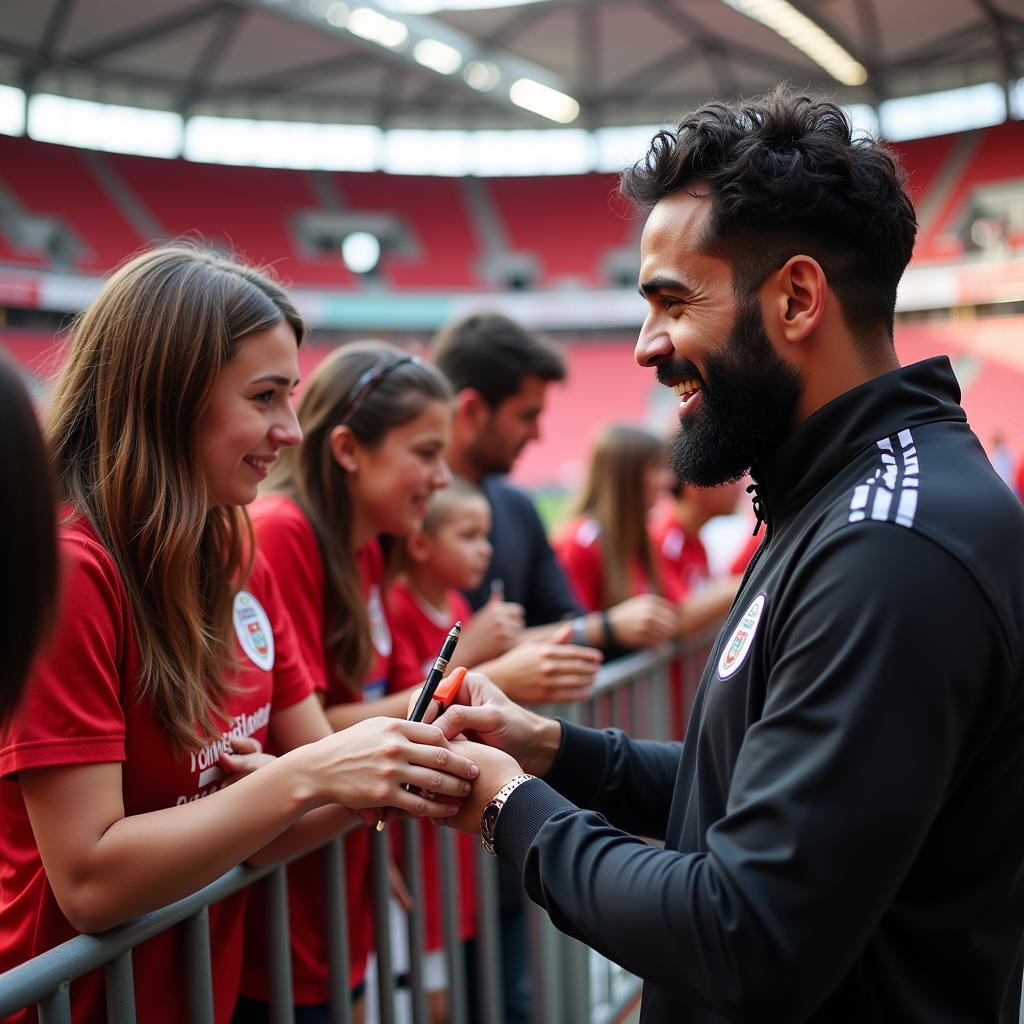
(648, 694)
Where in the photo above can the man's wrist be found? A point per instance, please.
(546, 739)
(492, 811)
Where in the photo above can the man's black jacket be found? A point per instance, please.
(844, 822)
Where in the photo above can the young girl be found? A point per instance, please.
(173, 644)
(375, 424)
(606, 550)
(28, 539)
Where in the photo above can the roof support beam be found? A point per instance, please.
(55, 26)
(229, 22)
(1002, 47)
(144, 33)
(419, 28)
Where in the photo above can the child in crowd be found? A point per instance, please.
(173, 651)
(451, 554)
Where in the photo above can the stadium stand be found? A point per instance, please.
(88, 229)
(248, 209)
(440, 249)
(98, 208)
(590, 224)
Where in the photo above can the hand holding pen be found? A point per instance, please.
(434, 677)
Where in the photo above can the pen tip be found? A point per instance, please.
(457, 627)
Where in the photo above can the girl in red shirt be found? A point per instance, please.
(173, 651)
(375, 422)
(606, 550)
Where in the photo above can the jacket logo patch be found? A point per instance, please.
(738, 646)
(252, 627)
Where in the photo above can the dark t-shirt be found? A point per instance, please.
(522, 559)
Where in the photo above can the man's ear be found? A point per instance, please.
(471, 408)
(344, 448)
(796, 302)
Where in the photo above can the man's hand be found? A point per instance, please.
(549, 671)
(496, 768)
(644, 621)
(486, 714)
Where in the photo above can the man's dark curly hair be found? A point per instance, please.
(785, 176)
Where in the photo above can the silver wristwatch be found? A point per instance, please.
(489, 818)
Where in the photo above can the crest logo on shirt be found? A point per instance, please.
(252, 627)
(379, 631)
(738, 646)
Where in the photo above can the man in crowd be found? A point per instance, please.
(842, 827)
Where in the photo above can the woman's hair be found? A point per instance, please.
(371, 387)
(613, 496)
(123, 432)
(28, 538)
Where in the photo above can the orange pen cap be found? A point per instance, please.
(445, 693)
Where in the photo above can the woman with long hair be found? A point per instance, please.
(375, 425)
(605, 548)
(28, 537)
(173, 651)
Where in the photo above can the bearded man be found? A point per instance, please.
(842, 827)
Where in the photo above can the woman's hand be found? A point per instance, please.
(370, 764)
(245, 756)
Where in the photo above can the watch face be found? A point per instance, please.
(488, 820)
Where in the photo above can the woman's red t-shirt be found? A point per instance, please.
(82, 706)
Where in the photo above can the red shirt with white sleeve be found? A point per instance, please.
(682, 555)
(285, 537)
(579, 552)
(419, 631)
(83, 706)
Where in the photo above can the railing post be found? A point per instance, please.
(56, 1007)
(380, 843)
(120, 989)
(200, 971)
(279, 960)
(490, 989)
(412, 865)
(336, 916)
(449, 882)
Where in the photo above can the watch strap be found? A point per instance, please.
(489, 818)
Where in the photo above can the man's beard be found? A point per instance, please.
(748, 403)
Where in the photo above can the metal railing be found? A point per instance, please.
(648, 694)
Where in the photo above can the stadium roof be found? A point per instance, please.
(427, 63)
